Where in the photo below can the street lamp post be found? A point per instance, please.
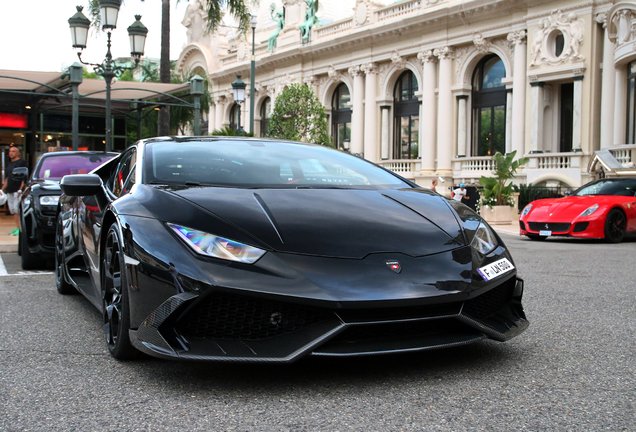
(79, 24)
(196, 90)
(238, 88)
(253, 22)
(75, 72)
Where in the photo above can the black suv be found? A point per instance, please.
(38, 204)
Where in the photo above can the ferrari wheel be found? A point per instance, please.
(615, 225)
(63, 287)
(115, 298)
(536, 237)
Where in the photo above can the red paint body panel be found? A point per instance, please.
(569, 209)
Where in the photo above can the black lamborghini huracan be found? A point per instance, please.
(246, 249)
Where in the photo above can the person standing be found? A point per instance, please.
(434, 186)
(13, 188)
(459, 194)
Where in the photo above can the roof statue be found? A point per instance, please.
(310, 19)
(280, 23)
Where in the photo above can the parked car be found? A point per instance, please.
(243, 249)
(603, 209)
(38, 203)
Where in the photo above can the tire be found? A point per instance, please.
(20, 243)
(29, 261)
(63, 287)
(615, 225)
(536, 237)
(115, 298)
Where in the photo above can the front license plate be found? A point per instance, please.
(545, 233)
(495, 269)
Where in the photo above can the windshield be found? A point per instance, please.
(261, 164)
(56, 167)
(622, 187)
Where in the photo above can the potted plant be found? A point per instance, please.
(497, 205)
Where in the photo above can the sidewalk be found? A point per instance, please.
(7, 243)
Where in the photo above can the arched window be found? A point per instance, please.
(406, 118)
(631, 103)
(489, 107)
(266, 112)
(340, 116)
(234, 112)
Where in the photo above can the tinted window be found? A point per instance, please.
(119, 182)
(56, 167)
(622, 187)
(261, 164)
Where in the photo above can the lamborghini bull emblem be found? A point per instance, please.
(394, 265)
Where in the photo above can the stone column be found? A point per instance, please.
(445, 110)
(509, 127)
(211, 118)
(620, 105)
(536, 125)
(608, 86)
(370, 112)
(462, 125)
(577, 107)
(519, 92)
(357, 115)
(386, 136)
(218, 112)
(428, 120)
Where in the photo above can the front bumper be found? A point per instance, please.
(589, 228)
(223, 325)
(39, 228)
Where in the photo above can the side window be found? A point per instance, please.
(123, 178)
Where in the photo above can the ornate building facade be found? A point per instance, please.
(431, 88)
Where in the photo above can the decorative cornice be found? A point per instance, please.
(518, 37)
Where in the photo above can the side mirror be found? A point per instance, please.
(568, 193)
(20, 174)
(81, 185)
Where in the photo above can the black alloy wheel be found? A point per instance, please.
(63, 287)
(115, 298)
(615, 225)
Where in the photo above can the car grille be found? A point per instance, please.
(232, 317)
(491, 302)
(544, 226)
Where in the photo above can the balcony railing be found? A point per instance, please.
(397, 9)
(624, 154)
(335, 28)
(403, 167)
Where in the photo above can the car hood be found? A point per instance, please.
(336, 222)
(563, 209)
(47, 185)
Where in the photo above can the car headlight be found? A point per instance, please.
(589, 210)
(526, 210)
(49, 200)
(484, 240)
(217, 247)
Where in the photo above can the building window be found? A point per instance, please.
(341, 116)
(489, 107)
(567, 117)
(234, 112)
(406, 117)
(266, 112)
(631, 103)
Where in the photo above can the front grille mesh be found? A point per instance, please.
(490, 302)
(233, 317)
(554, 227)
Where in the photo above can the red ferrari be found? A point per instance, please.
(601, 209)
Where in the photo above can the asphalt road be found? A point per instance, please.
(572, 370)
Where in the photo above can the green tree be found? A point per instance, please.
(298, 115)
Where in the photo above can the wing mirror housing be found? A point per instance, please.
(78, 185)
(20, 174)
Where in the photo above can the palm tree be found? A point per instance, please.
(214, 9)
